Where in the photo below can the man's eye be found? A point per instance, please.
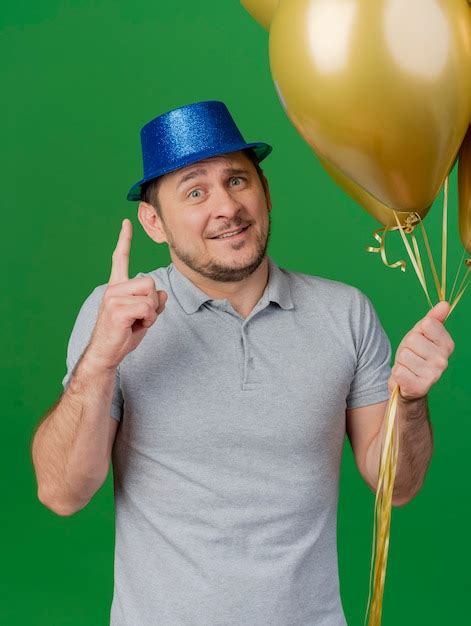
(195, 191)
(236, 178)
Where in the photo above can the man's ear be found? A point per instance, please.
(151, 222)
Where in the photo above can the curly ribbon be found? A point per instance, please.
(381, 249)
(411, 221)
(390, 441)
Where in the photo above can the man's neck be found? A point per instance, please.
(243, 295)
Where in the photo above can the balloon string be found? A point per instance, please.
(420, 275)
(417, 255)
(444, 237)
(384, 516)
(430, 258)
(384, 496)
(462, 288)
(458, 270)
(390, 440)
(467, 263)
(383, 501)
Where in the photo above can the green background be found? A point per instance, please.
(80, 78)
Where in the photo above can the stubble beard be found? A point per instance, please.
(217, 271)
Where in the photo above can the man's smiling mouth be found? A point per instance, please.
(231, 234)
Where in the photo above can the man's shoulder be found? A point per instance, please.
(320, 286)
(340, 304)
(159, 274)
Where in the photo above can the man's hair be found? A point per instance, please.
(150, 189)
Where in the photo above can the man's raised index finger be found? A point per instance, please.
(120, 258)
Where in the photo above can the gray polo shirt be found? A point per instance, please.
(227, 456)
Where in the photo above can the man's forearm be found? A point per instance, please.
(69, 448)
(415, 449)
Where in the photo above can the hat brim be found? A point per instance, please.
(262, 150)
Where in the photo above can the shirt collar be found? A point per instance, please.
(191, 297)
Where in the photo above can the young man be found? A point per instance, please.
(225, 419)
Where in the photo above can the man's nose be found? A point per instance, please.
(227, 204)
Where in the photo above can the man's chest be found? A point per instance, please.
(236, 385)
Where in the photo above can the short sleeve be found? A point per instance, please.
(373, 353)
(79, 339)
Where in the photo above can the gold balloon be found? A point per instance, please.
(375, 208)
(261, 10)
(380, 89)
(464, 191)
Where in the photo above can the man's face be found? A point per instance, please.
(211, 197)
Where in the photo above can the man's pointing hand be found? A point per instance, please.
(128, 308)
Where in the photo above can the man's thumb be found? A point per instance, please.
(440, 311)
